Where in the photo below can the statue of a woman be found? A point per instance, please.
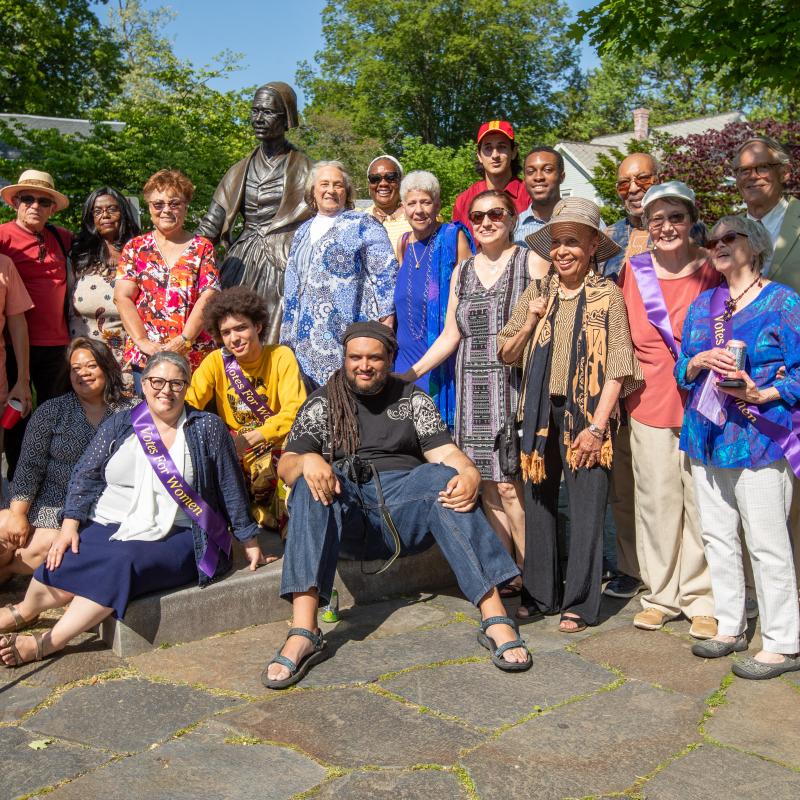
(266, 188)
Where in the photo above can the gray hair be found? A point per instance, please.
(168, 357)
(691, 208)
(350, 193)
(757, 236)
(777, 150)
(421, 181)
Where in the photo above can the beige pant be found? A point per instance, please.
(622, 505)
(794, 527)
(668, 533)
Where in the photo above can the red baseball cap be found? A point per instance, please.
(499, 125)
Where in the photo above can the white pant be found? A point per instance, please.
(761, 498)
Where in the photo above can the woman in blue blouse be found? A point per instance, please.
(741, 473)
(341, 269)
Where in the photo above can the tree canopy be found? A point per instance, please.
(436, 68)
(739, 44)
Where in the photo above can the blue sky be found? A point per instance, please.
(280, 34)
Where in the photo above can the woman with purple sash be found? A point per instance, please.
(148, 508)
(659, 285)
(743, 444)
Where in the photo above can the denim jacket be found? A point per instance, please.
(218, 477)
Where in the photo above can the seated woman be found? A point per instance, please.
(257, 390)
(571, 331)
(57, 435)
(148, 508)
(739, 440)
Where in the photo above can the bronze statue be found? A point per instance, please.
(266, 188)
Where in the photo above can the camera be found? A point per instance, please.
(354, 469)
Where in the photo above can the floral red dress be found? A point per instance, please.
(167, 296)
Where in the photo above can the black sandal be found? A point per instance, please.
(571, 616)
(296, 671)
(497, 652)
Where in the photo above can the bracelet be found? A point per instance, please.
(597, 432)
(186, 339)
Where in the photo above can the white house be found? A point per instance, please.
(581, 158)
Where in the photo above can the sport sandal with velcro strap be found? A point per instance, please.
(497, 652)
(296, 671)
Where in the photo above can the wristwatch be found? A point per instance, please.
(598, 433)
(187, 340)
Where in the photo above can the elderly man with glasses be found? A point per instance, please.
(384, 174)
(39, 252)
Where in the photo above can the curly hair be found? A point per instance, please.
(169, 179)
(238, 301)
(115, 388)
(350, 192)
(88, 249)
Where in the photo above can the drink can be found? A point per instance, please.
(738, 350)
(330, 612)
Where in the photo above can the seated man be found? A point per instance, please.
(407, 478)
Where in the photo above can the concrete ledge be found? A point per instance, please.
(245, 598)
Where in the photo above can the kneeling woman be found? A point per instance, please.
(257, 390)
(578, 360)
(147, 509)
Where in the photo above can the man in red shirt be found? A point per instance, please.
(498, 163)
(39, 252)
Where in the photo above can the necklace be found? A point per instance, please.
(730, 303)
(564, 296)
(419, 331)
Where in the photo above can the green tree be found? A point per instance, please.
(436, 68)
(58, 59)
(740, 45)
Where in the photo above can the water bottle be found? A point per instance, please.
(330, 612)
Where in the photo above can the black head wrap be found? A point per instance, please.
(371, 330)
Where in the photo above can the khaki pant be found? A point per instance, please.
(668, 533)
(794, 527)
(622, 504)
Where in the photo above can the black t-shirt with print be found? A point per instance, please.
(395, 426)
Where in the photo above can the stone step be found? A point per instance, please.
(245, 598)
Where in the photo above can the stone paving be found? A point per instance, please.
(409, 707)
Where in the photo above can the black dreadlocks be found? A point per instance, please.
(342, 419)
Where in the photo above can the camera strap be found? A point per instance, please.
(386, 519)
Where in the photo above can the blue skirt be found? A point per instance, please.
(111, 572)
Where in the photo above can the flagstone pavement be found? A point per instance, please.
(409, 706)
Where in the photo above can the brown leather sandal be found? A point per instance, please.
(10, 641)
(19, 621)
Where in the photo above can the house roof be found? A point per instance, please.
(64, 125)
(585, 155)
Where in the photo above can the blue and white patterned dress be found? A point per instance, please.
(348, 275)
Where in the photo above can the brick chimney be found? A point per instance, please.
(640, 127)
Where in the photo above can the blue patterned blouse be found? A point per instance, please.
(770, 326)
(348, 275)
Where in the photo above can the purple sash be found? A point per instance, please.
(243, 388)
(210, 521)
(653, 299)
(715, 405)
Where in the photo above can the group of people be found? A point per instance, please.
(371, 381)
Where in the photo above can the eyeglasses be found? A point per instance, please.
(160, 205)
(727, 238)
(644, 181)
(264, 112)
(30, 200)
(110, 210)
(494, 214)
(42, 246)
(176, 386)
(761, 170)
(389, 177)
(675, 218)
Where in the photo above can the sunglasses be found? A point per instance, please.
(494, 214)
(727, 238)
(110, 210)
(176, 386)
(42, 247)
(675, 218)
(160, 205)
(643, 181)
(389, 177)
(30, 200)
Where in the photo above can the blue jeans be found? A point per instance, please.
(318, 534)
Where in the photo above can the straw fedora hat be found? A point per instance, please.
(573, 209)
(41, 182)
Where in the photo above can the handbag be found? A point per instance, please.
(507, 446)
(266, 490)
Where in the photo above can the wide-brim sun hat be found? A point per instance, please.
(671, 190)
(576, 210)
(37, 181)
